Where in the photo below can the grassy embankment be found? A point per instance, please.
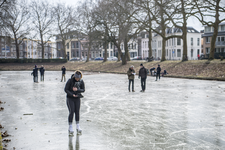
(196, 69)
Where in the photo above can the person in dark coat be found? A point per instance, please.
(131, 74)
(42, 71)
(158, 72)
(143, 75)
(35, 74)
(152, 70)
(63, 74)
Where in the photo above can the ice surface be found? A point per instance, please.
(171, 114)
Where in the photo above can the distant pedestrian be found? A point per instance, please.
(42, 71)
(35, 74)
(73, 88)
(63, 74)
(143, 75)
(131, 75)
(158, 72)
(151, 70)
(198, 56)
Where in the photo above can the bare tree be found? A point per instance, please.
(66, 23)
(87, 25)
(17, 23)
(42, 18)
(211, 9)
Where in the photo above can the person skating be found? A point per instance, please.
(131, 75)
(42, 71)
(152, 70)
(143, 76)
(158, 72)
(35, 74)
(63, 74)
(74, 85)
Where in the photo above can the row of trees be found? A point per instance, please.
(105, 21)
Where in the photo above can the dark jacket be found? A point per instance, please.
(42, 70)
(73, 83)
(130, 75)
(35, 72)
(158, 69)
(63, 70)
(143, 73)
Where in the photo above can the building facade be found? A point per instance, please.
(29, 49)
(220, 40)
(174, 46)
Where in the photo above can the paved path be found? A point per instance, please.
(171, 114)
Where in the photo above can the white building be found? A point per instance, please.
(174, 46)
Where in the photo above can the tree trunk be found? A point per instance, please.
(128, 56)
(64, 48)
(163, 49)
(105, 48)
(89, 49)
(149, 44)
(184, 37)
(17, 47)
(125, 55)
(215, 33)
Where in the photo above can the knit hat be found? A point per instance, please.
(141, 64)
(78, 74)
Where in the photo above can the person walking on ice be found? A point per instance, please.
(42, 71)
(158, 72)
(63, 74)
(143, 74)
(74, 86)
(131, 75)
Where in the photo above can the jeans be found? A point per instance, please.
(131, 80)
(158, 74)
(42, 78)
(143, 82)
(35, 78)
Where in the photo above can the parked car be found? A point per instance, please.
(112, 58)
(59, 57)
(137, 58)
(75, 59)
(99, 58)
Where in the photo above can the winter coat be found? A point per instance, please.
(130, 75)
(63, 70)
(158, 69)
(35, 72)
(143, 73)
(42, 70)
(73, 83)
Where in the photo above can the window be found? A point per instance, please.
(191, 52)
(198, 41)
(67, 45)
(111, 45)
(207, 39)
(178, 41)
(77, 44)
(178, 52)
(192, 42)
(222, 38)
(2, 40)
(167, 52)
(222, 50)
(174, 54)
(169, 42)
(207, 50)
(207, 29)
(135, 46)
(223, 28)
(111, 53)
(122, 47)
(218, 39)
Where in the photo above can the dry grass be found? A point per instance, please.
(199, 69)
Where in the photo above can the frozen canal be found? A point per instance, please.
(171, 114)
